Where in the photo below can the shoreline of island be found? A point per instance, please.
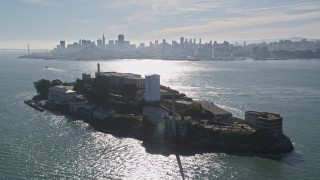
(175, 121)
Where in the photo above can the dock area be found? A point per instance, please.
(32, 103)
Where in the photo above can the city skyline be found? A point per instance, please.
(42, 22)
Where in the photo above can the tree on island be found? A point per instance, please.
(42, 87)
(56, 82)
(129, 90)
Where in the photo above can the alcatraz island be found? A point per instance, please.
(128, 105)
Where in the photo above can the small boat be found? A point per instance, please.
(47, 67)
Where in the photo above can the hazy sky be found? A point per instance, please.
(43, 23)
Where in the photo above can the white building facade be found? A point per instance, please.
(152, 87)
(61, 94)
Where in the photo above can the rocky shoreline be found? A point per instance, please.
(174, 122)
(197, 141)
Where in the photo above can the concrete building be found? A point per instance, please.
(121, 79)
(152, 87)
(61, 94)
(102, 114)
(75, 106)
(265, 121)
(138, 82)
(86, 77)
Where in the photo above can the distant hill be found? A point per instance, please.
(277, 40)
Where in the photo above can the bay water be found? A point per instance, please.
(54, 146)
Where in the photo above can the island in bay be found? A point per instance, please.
(129, 105)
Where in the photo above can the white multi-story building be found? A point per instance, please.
(61, 94)
(152, 87)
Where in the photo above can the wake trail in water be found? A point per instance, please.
(54, 69)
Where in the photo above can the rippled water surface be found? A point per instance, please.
(54, 146)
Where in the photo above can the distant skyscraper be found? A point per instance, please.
(111, 42)
(181, 40)
(62, 44)
(100, 43)
(103, 40)
(142, 45)
(121, 38)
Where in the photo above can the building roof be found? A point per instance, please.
(265, 115)
(152, 75)
(125, 75)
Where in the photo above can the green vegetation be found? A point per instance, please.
(56, 82)
(129, 90)
(42, 86)
(238, 120)
(80, 87)
(193, 109)
(124, 123)
(178, 95)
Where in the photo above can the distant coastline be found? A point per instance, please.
(186, 49)
(46, 56)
